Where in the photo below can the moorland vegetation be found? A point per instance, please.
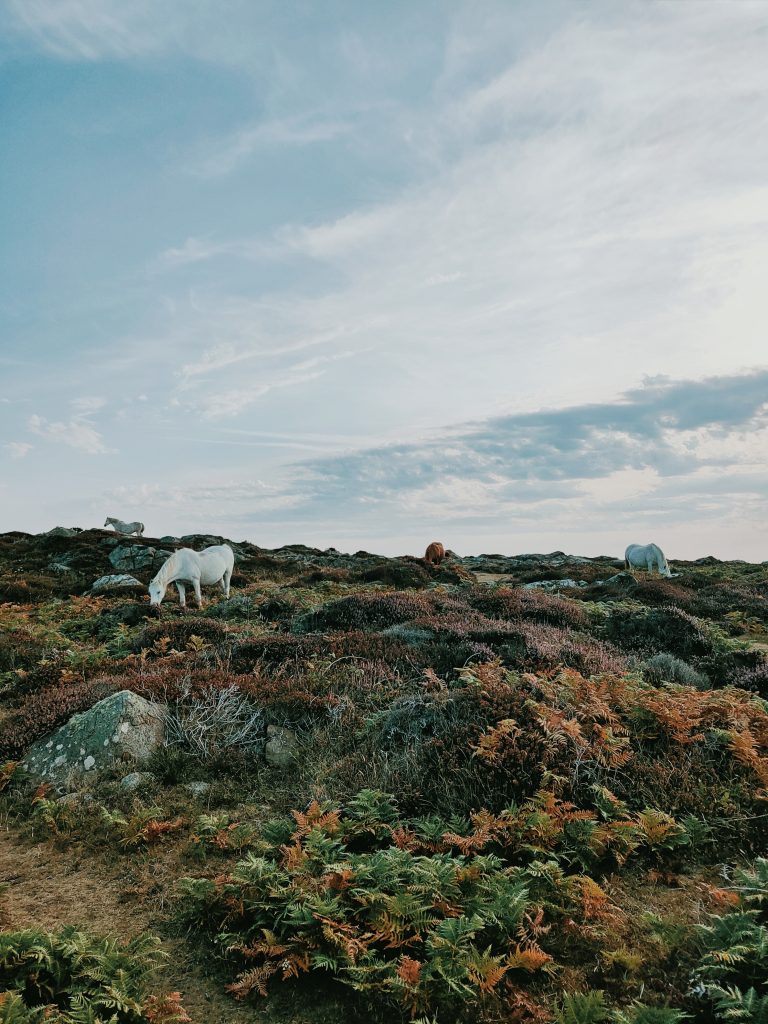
(494, 801)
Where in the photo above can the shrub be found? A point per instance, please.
(179, 631)
(46, 710)
(733, 971)
(362, 611)
(666, 668)
(514, 603)
(215, 722)
(499, 735)
(20, 648)
(415, 912)
(755, 679)
(78, 977)
(665, 629)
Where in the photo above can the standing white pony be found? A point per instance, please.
(211, 565)
(126, 528)
(646, 556)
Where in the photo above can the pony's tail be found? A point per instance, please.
(626, 563)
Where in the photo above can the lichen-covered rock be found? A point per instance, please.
(132, 557)
(121, 581)
(135, 780)
(566, 584)
(280, 748)
(137, 558)
(123, 726)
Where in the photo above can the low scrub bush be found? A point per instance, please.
(177, 633)
(666, 629)
(516, 603)
(755, 679)
(733, 972)
(363, 611)
(72, 977)
(20, 649)
(46, 710)
(498, 735)
(214, 722)
(666, 668)
(418, 913)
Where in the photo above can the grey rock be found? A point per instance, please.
(75, 798)
(60, 567)
(63, 531)
(121, 581)
(625, 579)
(120, 727)
(132, 557)
(280, 749)
(554, 584)
(135, 780)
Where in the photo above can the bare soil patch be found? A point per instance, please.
(50, 888)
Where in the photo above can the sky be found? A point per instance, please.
(370, 275)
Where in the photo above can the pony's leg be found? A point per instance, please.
(198, 595)
(182, 594)
(225, 582)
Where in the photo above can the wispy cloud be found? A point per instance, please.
(18, 449)
(220, 401)
(94, 29)
(78, 432)
(223, 155)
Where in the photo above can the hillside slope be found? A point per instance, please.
(505, 788)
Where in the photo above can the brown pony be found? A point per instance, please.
(435, 553)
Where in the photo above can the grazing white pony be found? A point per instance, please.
(646, 556)
(211, 565)
(126, 528)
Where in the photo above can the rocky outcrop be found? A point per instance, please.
(129, 558)
(121, 581)
(566, 584)
(121, 727)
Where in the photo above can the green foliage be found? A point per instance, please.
(75, 978)
(733, 970)
(358, 893)
(582, 1008)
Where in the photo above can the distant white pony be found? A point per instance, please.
(646, 556)
(127, 528)
(211, 565)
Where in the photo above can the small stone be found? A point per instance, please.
(120, 581)
(135, 780)
(89, 762)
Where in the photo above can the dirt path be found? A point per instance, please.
(492, 577)
(50, 888)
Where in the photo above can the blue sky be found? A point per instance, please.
(367, 275)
